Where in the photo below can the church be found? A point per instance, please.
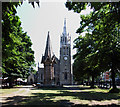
(56, 71)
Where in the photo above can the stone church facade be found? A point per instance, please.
(56, 71)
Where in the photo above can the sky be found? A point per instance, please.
(48, 17)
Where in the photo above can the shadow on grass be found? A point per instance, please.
(49, 88)
(47, 99)
(91, 95)
(40, 100)
(45, 102)
(78, 88)
(20, 86)
(62, 88)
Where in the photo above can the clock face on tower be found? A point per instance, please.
(65, 58)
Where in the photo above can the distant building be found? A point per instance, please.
(106, 76)
(31, 78)
(56, 71)
(40, 75)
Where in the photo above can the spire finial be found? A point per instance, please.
(64, 22)
(38, 64)
(64, 29)
(48, 50)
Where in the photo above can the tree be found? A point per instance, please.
(103, 23)
(83, 65)
(101, 10)
(17, 55)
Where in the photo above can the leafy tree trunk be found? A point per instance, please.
(110, 83)
(114, 89)
(92, 83)
(88, 80)
(113, 77)
(10, 82)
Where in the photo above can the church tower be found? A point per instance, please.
(65, 57)
(48, 60)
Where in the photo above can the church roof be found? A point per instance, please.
(48, 50)
(48, 55)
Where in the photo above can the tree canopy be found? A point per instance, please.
(100, 47)
(17, 54)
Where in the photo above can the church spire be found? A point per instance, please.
(38, 64)
(48, 50)
(64, 29)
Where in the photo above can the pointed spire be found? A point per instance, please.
(48, 50)
(64, 29)
(38, 64)
(65, 22)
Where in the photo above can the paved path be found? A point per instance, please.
(22, 91)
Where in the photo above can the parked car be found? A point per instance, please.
(39, 85)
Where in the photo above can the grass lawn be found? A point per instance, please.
(71, 96)
(68, 95)
(7, 91)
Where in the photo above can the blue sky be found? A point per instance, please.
(48, 17)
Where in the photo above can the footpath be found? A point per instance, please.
(14, 97)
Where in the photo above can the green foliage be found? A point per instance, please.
(17, 54)
(84, 66)
(101, 49)
(20, 2)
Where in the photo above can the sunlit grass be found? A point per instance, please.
(8, 91)
(55, 96)
(85, 96)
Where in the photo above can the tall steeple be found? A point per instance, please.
(65, 38)
(64, 29)
(65, 57)
(48, 60)
(48, 50)
(38, 64)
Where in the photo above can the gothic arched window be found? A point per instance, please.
(64, 50)
(41, 76)
(61, 39)
(65, 40)
(67, 50)
(65, 76)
